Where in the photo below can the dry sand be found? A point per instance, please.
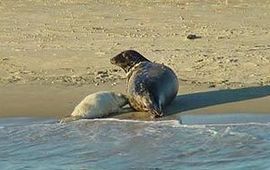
(53, 53)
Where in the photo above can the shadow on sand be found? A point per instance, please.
(203, 99)
(200, 100)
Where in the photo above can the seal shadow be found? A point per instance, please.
(210, 98)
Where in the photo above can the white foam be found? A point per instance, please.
(129, 120)
(239, 124)
(173, 123)
(163, 122)
(213, 132)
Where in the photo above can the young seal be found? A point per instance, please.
(98, 105)
(151, 86)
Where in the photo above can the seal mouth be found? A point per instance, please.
(112, 60)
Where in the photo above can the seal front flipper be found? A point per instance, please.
(146, 102)
(154, 108)
(69, 119)
(156, 111)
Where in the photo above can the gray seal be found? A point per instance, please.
(98, 105)
(150, 86)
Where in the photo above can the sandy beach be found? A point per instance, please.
(54, 53)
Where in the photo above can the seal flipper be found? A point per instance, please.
(153, 106)
(69, 119)
(144, 99)
(155, 110)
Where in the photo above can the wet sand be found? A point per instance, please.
(53, 53)
(58, 102)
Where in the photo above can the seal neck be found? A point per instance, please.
(131, 70)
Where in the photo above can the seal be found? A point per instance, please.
(97, 105)
(150, 86)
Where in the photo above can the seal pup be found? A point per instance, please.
(97, 105)
(151, 86)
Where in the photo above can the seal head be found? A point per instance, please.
(128, 59)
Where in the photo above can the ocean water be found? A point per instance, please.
(27, 143)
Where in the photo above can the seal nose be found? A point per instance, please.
(112, 60)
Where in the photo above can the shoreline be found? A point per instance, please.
(59, 101)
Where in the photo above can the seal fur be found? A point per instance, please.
(97, 105)
(151, 86)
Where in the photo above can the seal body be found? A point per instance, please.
(97, 105)
(151, 86)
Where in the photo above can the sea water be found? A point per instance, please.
(27, 143)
